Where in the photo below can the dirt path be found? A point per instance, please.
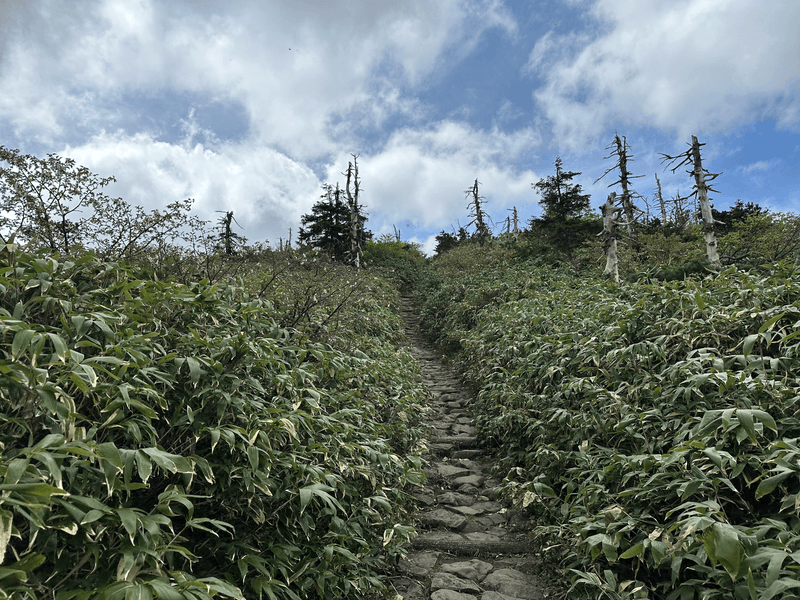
(470, 547)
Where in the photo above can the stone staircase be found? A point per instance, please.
(471, 546)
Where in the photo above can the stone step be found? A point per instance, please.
(458, 518)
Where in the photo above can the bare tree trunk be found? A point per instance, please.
(661, 203)
(610, 210)
(355, 241)
(705, 206)
(627, 205)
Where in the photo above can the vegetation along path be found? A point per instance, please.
(470, 546)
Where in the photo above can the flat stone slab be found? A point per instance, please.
(455, 498)
(419, 564)
(496, 596)
(482, 537)
(476, 480)
(448, 581)
(475, 570)
(488, 506)
(441, 517)
(468, 511)
(512, 583)
(447, 470)
(458, 441)
(425, 499)
(465, 429)
(451, 595)
(466, 453)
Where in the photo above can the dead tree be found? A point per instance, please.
(621, 149)
(663, 206)
(609, 233)
(230, 239)
(701, 189)
(356, 228)
(478, 215)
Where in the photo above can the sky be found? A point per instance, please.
(251, 106)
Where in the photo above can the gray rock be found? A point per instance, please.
(414, 591)
(466, 453)
(496, 596)
(448, 581)
(451, 595)
(474, 569)
(475, 480)
(468, 488)
(424, 498)
(465, 429)
(467, 511)
(441, 517)
(440, 537)
(482, 537)
(419, 564)
(446, 470)
(512, 583)
(488, 506)
(453, 498)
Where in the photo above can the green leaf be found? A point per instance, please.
(779, 587)
(22, 341)
(749, 342)
(727, 548)
(163, 590)
(768, 325)
(745, 417)
(6, 526)
(769, 484)
(129, 521)
(194, 369)
(637, 550)
(59, 345)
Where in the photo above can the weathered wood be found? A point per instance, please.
(705, 206)
(609, 211)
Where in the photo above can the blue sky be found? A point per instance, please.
(251, 107)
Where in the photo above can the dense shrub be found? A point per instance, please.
(650, 430)
(167, 441)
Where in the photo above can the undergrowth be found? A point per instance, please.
(160, 440)
(649, 430)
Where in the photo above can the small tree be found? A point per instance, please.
(561, 199)
(564, 208)
(230, 240)
(701, 189)
(335, 226)
(327, 227)
(55, 204)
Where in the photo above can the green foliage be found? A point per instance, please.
(762, 237)
(650, 431)
(328, 226)
(169, 441)
(400, 262)
(561, 199)
(55, 204)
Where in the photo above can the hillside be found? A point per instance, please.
(648, 430)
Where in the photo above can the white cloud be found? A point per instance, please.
(421, 174)
(761, 165)
(267, 191)
(690, 66)
(295, 66)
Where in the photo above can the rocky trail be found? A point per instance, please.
(471, 546)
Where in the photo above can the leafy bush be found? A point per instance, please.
(400, 262)
(651, 431)
(169, 441)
